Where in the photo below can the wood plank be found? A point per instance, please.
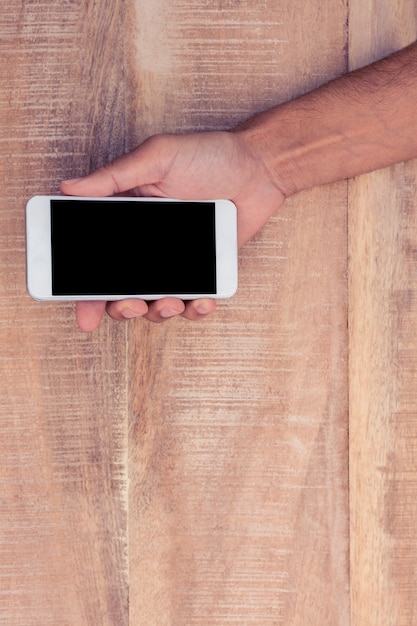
(63, 483)
(238, 439)
(383, 348)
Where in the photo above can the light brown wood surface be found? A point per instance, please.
(63, 396)
(198, 474)
(383, 358)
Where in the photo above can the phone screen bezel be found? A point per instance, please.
(39, 257)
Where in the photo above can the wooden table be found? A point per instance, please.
(255, 469)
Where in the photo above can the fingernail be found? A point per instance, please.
(166, 312)
(203, 309)
(129, 314)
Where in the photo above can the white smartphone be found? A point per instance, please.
(117, 248)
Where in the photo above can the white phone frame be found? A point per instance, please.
(39, 258)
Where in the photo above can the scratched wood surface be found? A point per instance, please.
(238, 429)
(197, 474)
(383, 357)
(63, 395)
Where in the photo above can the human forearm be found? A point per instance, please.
(359, 122)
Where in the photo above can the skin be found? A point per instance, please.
(354, 124)
(191, 167)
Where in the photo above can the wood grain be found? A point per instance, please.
(239, 464)
(63, 396)
(197, 474)
(382, 353)
(238, 435)
(208, 65)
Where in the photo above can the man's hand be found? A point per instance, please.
(200, 166)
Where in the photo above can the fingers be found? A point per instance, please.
(89, 314)
(123, 310)
(196, 310)
(162, 310)
(158, 311)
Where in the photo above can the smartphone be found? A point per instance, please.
(117, 248)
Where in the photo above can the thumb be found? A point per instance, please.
(141, 167)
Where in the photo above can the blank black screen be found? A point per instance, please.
(127, 248)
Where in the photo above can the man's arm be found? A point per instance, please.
(357, 123)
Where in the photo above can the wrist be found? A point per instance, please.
(357, 123)
(274, 141)
(302, 145)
